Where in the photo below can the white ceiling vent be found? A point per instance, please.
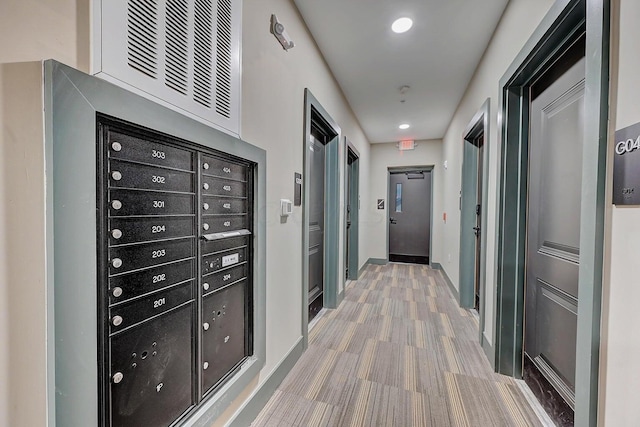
(183, 52)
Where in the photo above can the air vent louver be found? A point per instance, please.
(185, 53)
(142, 36)
(177, 45)
(223, 55)
(202, 53)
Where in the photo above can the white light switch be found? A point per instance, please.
(286, 207)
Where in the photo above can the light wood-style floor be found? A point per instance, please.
(397, 352)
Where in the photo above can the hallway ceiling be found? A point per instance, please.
(436, 58)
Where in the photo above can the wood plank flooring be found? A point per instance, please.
(397, 352)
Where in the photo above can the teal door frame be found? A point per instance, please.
(479, 125)
(566, 22)
(401, 169)
(313, 111)
(354, 229)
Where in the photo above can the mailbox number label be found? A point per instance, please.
(159, 204)
(159, 278)
(226, 169)
(159, 303)
(156, 154)
(226, 277)
(227, 206)
(158, 228)
(227, 188)
(159, 253)
(230, 259)
(159, 179)
(227, 224)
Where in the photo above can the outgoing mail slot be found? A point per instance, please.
(150, 378)
(137, 202)
(209, 248)
(223, 168)
(139, 150)
(125, 315)
(130, 230)
(127, 286)
(223, 341)
(218, 223)
(222, 260)
(223, 187)
(133, 257)
(131, 175)
(223, 206)
(223, 278)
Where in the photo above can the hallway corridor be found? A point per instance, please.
(397, 352)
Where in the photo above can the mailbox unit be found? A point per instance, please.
(158, 259)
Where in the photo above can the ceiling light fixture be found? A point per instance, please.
(401, 25)
(404, 126)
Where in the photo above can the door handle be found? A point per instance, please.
(392, 220)
(476, 230)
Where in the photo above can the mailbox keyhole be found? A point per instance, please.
(144, 354)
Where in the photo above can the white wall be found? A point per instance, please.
(272, 118)
(520, 19)
(620, 351)
(384, 156)
(30, 30)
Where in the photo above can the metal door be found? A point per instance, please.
(316, 224)
(409, 216)
(477, 229)
(553, 231)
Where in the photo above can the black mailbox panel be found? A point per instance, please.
(219, 279)
(151, 371)
(125, 315)
(132, 175)
(221, 223)
(132, 230)
(132, 285)
(223, 206)
(175, 239)
(133, 257)
(136, 202)
(223, 168)
(211, 247)
(223, 187)
(215, 262)
(223, 338)
(126, 147)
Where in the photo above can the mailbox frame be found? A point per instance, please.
(73, 100)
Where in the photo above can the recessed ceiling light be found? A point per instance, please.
(404, 126)
(401, 25)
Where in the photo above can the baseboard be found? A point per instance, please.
(363, 268)
(340, 296)
(454, 291)
(377, 261)
(248, 412)
(488, 350)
